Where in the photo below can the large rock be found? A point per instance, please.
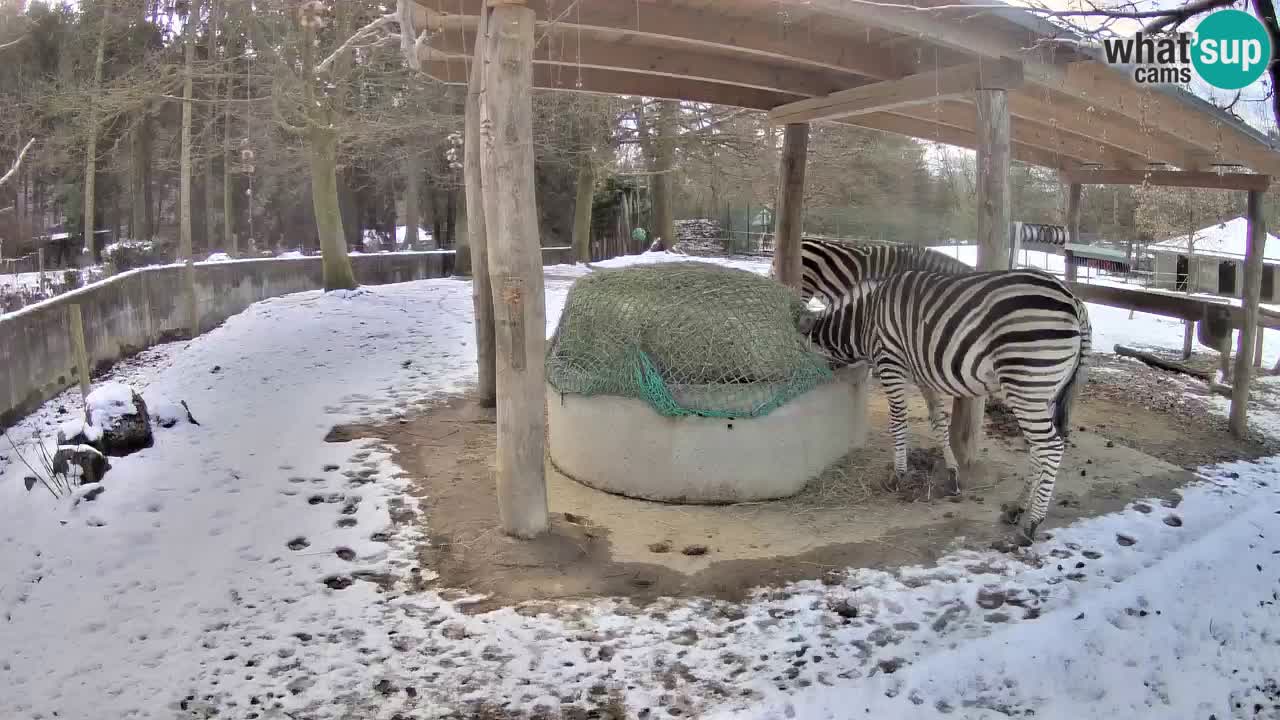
(121, 416)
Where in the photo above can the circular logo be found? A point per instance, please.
(1232, 49)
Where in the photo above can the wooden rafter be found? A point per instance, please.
(590, 51)
(736, 54)
(945, 84)
(1168, 178)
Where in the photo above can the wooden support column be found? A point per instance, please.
(515, 266)
(1249, 329)
(477, 265)
(789, 218)
(993, 240)
(1074, 193)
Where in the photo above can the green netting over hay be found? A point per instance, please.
(689, 338)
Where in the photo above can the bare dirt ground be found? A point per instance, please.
(607, 545)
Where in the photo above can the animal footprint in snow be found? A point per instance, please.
(1125, 540)
(298, 543)
(346, 522)
(1173, 521)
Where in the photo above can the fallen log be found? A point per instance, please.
(1209, 378)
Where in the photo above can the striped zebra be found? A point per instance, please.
(831, 270)
(1019, 334)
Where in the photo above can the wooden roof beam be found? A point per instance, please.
(1105, 126)
(571, 52)
(949, 135)
(1168, 178)
(1090, 81)
(928, 87)
(629, 20)
(1052, 141)
(1223, 141)
(599, 81)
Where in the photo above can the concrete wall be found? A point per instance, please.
(140, 308)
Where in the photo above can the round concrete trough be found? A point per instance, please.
(621, 445)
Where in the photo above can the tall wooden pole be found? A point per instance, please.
(515, 266)
(1239, 422)
(1074, 193)
(477, 254)
(993, 240)
(789, 218)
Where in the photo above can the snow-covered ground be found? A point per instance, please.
(215, 571)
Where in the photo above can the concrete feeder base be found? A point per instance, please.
(621, 445)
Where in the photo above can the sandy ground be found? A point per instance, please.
(613, 546)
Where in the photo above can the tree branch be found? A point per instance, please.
(373, 29)
(11, 43)
(1267, 12)
(17, 164)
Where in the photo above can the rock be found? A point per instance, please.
(990, 599)
(695, 550)
(121, 415)
(82, 461)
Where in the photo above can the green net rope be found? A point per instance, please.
(688, 338)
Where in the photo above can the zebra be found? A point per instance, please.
(1019, 334)
(831, 269)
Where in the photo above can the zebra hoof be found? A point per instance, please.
(1026, 534)
(1011, 513)
(953, 481)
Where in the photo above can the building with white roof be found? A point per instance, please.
(1214, 262)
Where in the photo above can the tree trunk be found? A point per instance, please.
(515, 265)
(210, 188)
(664, 160)
(450, 220)
(582, 209)
(229, 238)
(137, 180)
(91, 147)
(1074, 193)
(993, 240)
(184, 162)
(473, 255)
(790, 207)
(322, 151)
(412, 194)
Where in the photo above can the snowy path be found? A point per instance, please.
(234, 566)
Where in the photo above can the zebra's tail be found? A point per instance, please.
(1063, 403)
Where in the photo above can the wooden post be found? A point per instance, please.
(478, 257)
(1257, 348)
(515, 266)
(75, 323)
(788, 220)
(993, 240)
(1074, 193)
(1239, 422)
(40, 266)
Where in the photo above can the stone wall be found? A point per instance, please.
(140, 308)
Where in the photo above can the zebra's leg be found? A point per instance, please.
(1046, 446)
(895, 389)
(940, 422)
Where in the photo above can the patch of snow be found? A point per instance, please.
(291, 254)
(108, 403)
(188, 579)
(77, 426)
(163, 411)
(219, 257)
